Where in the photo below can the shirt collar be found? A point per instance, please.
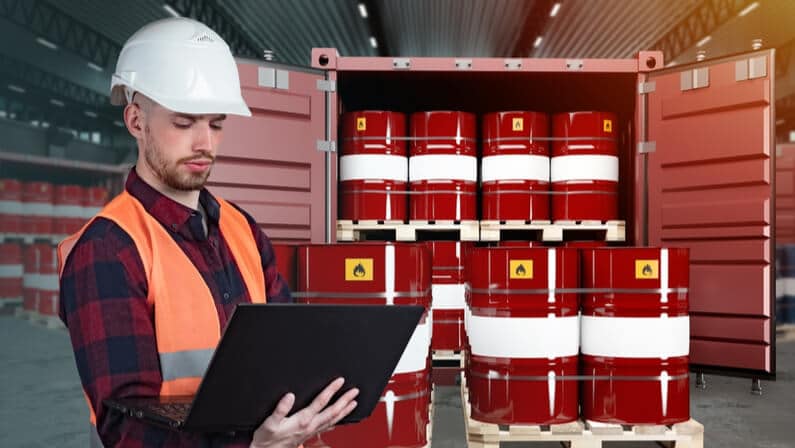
(170, 213)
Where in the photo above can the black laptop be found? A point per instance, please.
(269, 350)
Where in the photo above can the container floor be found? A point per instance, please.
(41, 404)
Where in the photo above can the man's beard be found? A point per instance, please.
(171, 176)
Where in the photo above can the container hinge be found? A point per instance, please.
(647, 147)
(574, 64)
(513, 64)
(401, 63)
(327, 146)
(327, 85)
(463, 64)
(647, 87)
(694, 79)
(751, 68)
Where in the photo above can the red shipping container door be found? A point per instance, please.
(374, 167)
(276, 164)
(11, 274)
(524, 335)
(635, 336)
(378, 274)
(11, 208)
(37, 207)
(710, 189)
(68, 211)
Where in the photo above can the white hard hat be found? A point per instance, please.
(182, 65)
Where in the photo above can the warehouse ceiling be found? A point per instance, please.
(61, 52)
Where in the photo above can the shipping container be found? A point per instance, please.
(696, 170)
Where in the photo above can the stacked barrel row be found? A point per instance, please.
(785, 284)
(555, 334)
(29, 275)
(42, 208)
(429, 170)
(376, 274)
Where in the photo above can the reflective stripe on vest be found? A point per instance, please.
(186, 319)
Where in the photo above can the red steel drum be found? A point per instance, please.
(443, 166)
(47, 282)
(374, 166)
(523, 330)
(93, 200)
(30, 278)
(68, 213)
(11, 208)
(584, 167)
(635, 326)
(286, 263)
(384, 274)
(515, 166)
(449, 294)
(37, 198)
(11, 272)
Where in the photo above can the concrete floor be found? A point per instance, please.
(41, 404)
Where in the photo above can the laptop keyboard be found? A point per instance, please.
(175, 411)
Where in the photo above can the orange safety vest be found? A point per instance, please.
(186, 319)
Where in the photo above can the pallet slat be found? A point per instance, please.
(400, 231)
(579, 434)
(614, 231)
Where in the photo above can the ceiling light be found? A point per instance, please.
(171, 11)
(363, 10)
(555, 9)
(704, 41)
(94, 66)
(16, 88)
(701, 55)
(756, 44)
(91, 114)
(537, 42)
(748, 9)
(44, 42)
(55, 102)
(373, 42)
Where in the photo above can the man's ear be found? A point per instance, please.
(134, 120)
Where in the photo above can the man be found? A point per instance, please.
(148, 284)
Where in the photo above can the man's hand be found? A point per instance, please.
(280, 431)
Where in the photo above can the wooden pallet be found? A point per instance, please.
(51, 322)
(613, 231)
(447, 355)
(579, 434)
(785, 332)
(400, 231)
(9, 305)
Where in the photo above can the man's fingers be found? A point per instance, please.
(345, 412)
(324, 397)
(283, 408)
(329, 416)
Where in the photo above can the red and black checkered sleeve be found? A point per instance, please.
(103, 303)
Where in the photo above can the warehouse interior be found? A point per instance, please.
(692, 102)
